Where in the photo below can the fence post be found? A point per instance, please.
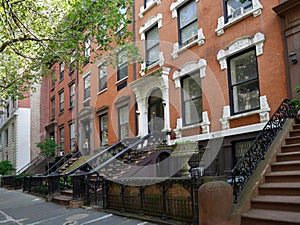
(53, 185)
(78, 180)
(195, 184)
(104, 192)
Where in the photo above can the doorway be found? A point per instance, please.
(155, 111)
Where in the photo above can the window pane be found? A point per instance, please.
(152, 37)
(246, 96)
(104, 130)
(189, 32)
(243, 67)
(102, 77)
(191, 87)
(187, 14)
(193, 111)
(122, 71)
(153, 55)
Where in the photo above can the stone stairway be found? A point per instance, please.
(278, 202)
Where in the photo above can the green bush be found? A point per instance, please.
(48, 147)
(5, 167)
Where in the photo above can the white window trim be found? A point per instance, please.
(256, 11)
(188, 68)
(160, 62)
(200, 41)
(263, 113)
(149, 6)
(120, 81)
(175, 5)
(205, 125)
(149, 24)
(239, 45)
(86, 74)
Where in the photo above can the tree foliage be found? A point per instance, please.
(36, 33)
(48, 147)
(5, 167)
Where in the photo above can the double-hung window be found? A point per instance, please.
(123, 122)
(188, 24)
(103, 129)
(244, 84)
(152, 46)
(102, 74)
(192, 99)
(62, 138)
(234, 8)
(72, 136)
(87, 50)
(61, 71)
(61, 101)
(87, 84)
(72, 95)
(52, 108)
(122, 72)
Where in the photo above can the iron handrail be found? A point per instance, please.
(246, 166)
(30, 163)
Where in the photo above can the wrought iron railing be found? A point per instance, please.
(59, 165)
(115, 162)
(246, 166)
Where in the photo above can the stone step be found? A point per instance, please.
(282, 203)
(290, 148)
(270, 217)
(288, 156)
(288, 189)
(295, 133)
(285, 166)
(283, 176)
(292, 140)
(68, 192)
(62, 200)
(296, 126)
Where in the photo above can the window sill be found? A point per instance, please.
(60, 113)
(149, 6)
(245, 114)
(100, 92)
(256, 11)
(71, 108)
(200, 41)
(121, 81)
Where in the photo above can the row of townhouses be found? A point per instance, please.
(211, 70)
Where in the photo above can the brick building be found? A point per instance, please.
(211, 70)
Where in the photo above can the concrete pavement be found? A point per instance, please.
(20, 208)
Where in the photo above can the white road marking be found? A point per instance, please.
(42, 221)
(142, 223)
(101, 218)
(8, 219)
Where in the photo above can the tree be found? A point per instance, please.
(36, 33)
(5, 167)
(48, 147)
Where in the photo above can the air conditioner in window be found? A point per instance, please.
(238, 12)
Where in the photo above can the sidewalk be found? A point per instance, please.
(19, 208)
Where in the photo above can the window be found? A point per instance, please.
(234, 8)
(122, 65)
(240, 148)
(6, 137)
(103, 129)
(122, 72)
(1, 142)
(87, 84)
(52, 79)
(61, 71)
(192, 99)
(147, 2)
(102, 35)
(72, 94)
(244, 85)
(72, 63)
(62, 138)
(7, 110)
(72, 136)
(87, 50)
(61, 101)
(188, 25)
(102, 73)
(52, 108)
(152, 46)
(123, 122)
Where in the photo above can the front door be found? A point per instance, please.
(155, 111)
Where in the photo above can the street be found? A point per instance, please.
(17, 207)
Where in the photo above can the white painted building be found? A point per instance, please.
(15, 133)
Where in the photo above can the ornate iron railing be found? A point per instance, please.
(246, 166)
(59, 165)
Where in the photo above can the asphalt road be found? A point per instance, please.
(17, 207)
